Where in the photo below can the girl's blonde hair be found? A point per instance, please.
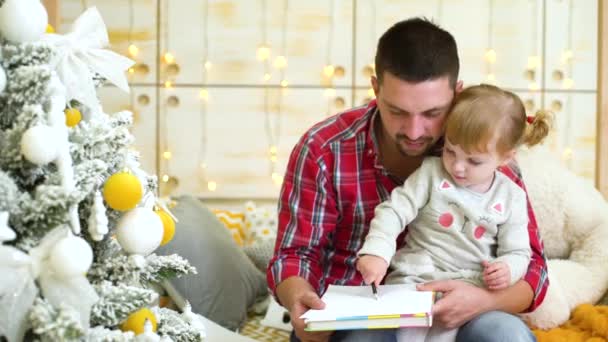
(485, 114)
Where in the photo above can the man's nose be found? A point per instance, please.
(413, 127)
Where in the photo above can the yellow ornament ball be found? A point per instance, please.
(122, 191)
(135, 322)
(50, 28)
(72, 117)
(168, 226)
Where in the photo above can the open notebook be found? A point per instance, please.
(354, 307)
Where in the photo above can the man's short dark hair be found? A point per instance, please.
(417, 50)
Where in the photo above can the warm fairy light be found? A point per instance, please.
(165, 178)
(533, 86)
(267, 76)
(273, 158)
(567, 154)
(567, 83)
(169, 58)
(133, 50)
(277, 178)
(490, 78)
(167, 154)
(168, 84)
(212, 186)
(329, 70)
(208, 65)
(370, 92)
(263, 52)
(330, 92)
(284, 83)
(273, 150)
(131, 70)
(490, 56)
(204, 94)
(533, 62)
(566, 56)
(280, 62)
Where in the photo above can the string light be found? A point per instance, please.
(567, 154)
(280, 62)
(490, 53)
(263, 52)
(328, 70)
(567, 83)
(169, 58)
(168, 84)
(371, 92)
(204, 94)
(567, 56)
(167, 155)
(273, 130)
(329, 92)
(534, 62)
(133, 50)
(165, 178)
(533, 86)
(490, 56)
(277, 179)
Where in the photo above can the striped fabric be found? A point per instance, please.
(332, 184)
(235, 222)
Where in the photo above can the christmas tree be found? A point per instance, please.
(79, 220)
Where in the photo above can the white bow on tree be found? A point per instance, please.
(80, 54)
(59, 285)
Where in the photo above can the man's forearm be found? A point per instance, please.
(514, 299)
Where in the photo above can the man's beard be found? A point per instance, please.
(401, 140)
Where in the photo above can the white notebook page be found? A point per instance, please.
(354, 301)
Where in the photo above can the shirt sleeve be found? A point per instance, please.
(512, 240)
(307, 215)
(393, 215)
(536, 274)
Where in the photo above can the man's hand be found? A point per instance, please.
(460, 302)
(497, 275)
(372, 268)
(298, 296)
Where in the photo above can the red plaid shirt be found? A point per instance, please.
(332, 184)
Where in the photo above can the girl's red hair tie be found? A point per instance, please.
(530, 119)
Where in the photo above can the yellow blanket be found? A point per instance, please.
(588, 323)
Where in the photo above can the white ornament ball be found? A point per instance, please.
(139, 231)
(23, 20)
(2, 79)
(71, 256)
(40, 144)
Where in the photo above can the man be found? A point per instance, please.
(346, 165)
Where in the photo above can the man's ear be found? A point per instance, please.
(459, 86)
(375, 85)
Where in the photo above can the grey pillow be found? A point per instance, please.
(227, 283)
(260, 253)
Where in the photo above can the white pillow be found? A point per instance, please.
(277, 316)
